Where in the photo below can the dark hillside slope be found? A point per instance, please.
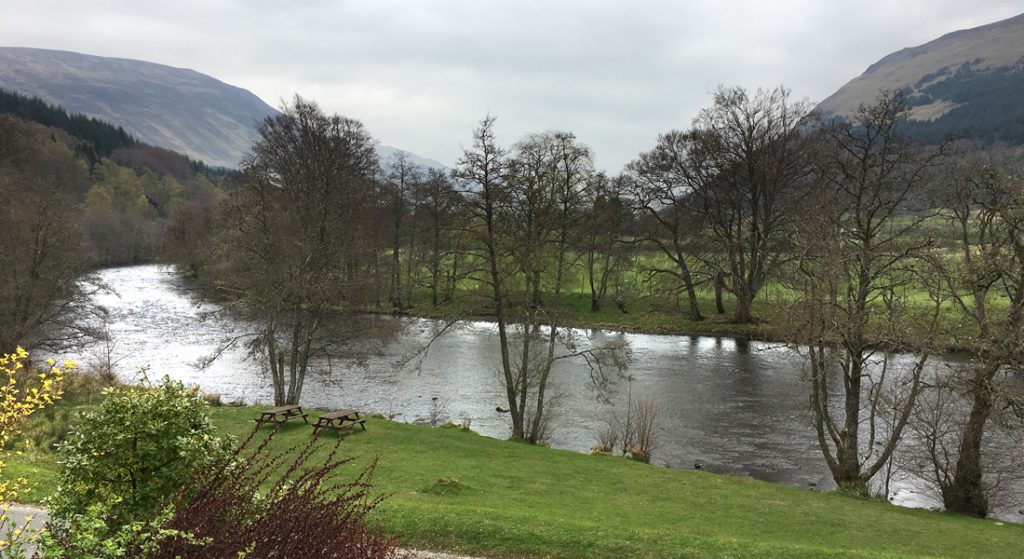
(967, 84)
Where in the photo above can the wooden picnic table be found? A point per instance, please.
(338, 420)
(281, 414)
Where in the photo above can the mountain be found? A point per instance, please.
(967, 84)
(384, 152)
(174, 108)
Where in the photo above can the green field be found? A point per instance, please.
(514, 500)
(657, 304)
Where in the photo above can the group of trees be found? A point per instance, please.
(317, 227)
(884, 246)
(528, 213)
(721, 200)
(845, 215)
(71, 203)
(43, 250)
(878, 244)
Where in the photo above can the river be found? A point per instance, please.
(737, 408)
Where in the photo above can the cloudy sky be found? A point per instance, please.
(421, 73)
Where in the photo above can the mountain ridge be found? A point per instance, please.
(963, 84)
(176, 108)
(170, 107)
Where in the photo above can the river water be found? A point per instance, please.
(737, 408)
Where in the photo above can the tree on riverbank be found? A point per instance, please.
(297, 247)
(659, 187)
(528, 209)
(985, 283)
(44, 250)
(750, 163)
(857, 255)
(401, 180)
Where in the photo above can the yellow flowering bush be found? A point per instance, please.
(21, 394)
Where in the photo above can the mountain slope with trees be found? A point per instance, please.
(174, 108)
(77, 193)
(964, 84)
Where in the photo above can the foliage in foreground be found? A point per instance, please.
(249, 504)
(516, 500)
(306, 512)
(22, 393)
(133, 451)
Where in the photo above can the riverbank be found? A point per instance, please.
(647, 316)
(452, 490)
(642, 317)
(656, 315)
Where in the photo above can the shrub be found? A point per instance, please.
(48, 428)
(133, 451)
(645, 415)
(22, 392)
(445, 486)
(213, 398)
(92, 537)
(227, 512)
(637, 436)
(607, 440)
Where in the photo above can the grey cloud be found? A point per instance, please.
(420, 74)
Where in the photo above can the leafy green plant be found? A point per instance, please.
(133, 451)
(91, 535)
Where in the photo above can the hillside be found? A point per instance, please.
(174, 108)
(966, 84)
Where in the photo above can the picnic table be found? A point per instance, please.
(338, 420)
(279, 415)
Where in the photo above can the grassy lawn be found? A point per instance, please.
(516, 500)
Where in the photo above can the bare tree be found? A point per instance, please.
(856, 254)
(660, 187)
(441, 220)
(603, 245)
(526, 211)
(483, 169)
(296, 250)
(402, 176)
(985, 283)
(552, 177)
(748, 165)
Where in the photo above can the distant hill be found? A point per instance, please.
(174, 108)
(967, 83)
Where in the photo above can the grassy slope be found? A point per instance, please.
(518, 500)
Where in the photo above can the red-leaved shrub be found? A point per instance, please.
(249, 508)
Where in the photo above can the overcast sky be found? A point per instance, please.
(420, 74)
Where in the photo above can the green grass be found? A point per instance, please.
(659, 312)
(449, 489)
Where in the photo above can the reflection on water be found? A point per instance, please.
(737, 407)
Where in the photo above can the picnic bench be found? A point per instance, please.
(279, 415)
(338, 420)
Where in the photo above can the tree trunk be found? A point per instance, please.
(847, 468)
(719, 286)
(396, 282)
(966, 494)
(744, 314)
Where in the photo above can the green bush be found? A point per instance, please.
(132, 451)
(90, 536)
